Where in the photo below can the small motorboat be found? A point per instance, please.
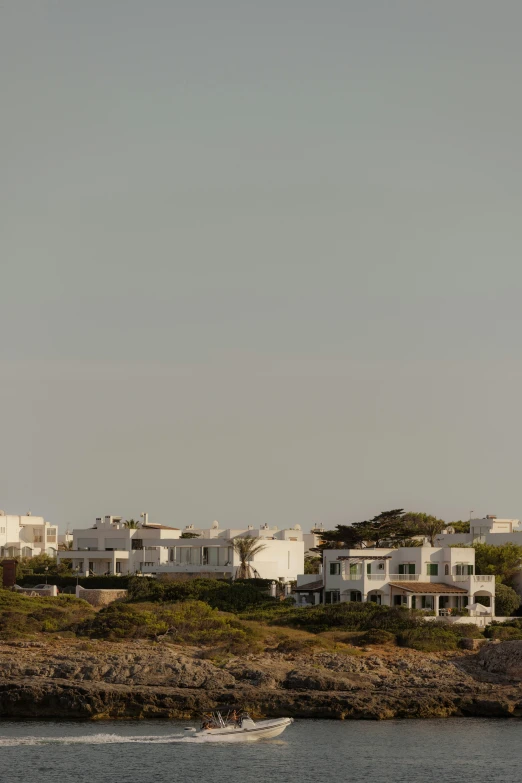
(240, 726)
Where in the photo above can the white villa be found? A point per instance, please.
(27, 536)
(432, 578)
(110, 547)
(489, 530)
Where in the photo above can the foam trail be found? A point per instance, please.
(91, 739)
(106, 739)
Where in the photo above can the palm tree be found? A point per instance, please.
(131, 523)
(246, 547)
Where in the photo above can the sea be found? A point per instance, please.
(310, 751)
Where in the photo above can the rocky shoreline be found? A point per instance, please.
(138, 680)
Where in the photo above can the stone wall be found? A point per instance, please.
(99, 597)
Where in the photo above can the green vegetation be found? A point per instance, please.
(504, 561)
(191, 622)
(504, 632)
(459, 526)
(390, 528)
(237, 596)
(507, 601)
(22, 616)
(346, 616)
(311, 564)
(429, 638)
(246, 547)
(91, 582)
(378, 636)
(236, 618)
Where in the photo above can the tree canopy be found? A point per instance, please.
(507, 601)
(504, 561)
(246, 547)
(389, 528)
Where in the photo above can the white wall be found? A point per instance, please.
(386, 570)
(281, 558)
(26, 535)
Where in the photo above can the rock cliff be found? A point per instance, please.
(95, 680)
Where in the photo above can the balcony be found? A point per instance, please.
(404, 577)
(377, 577)
(476, 577)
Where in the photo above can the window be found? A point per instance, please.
(91, 566)
(354, 571)
(464, 569)
(446, 570)
(355, 595)
(380, 567)
(432, 569)
(210, 555)
(399, 600)
(184, 555)
(368, 568)
(335, 569)
(332, 596)
(406, 568)
(375, 598)
(118, 568)
(427, 602)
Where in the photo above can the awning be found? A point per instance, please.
(429, 587)
(362, 558)
(310, 587)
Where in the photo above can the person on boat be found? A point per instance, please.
(234, 717)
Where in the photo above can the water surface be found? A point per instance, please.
(414, 751)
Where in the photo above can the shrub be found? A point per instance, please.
(466, 630)
(507, 601)
(22, 615)
(237, 596)
(504, 632)
(378, 636)
(92, 582)
(429, 638)
(190, 622)
(344, 616)
(288, 645)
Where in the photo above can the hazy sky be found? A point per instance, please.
(260, 261)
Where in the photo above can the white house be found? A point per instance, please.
(489, 530)
(27, 536)
(111, 547)
(432, 578)
(313, 539)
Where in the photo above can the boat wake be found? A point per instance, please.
(108, 739)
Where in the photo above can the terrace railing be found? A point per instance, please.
(404, 577)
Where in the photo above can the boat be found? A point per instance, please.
(239, 726)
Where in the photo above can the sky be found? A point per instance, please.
(260, 262)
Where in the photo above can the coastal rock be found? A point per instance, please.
(504, 659)
(101, 680)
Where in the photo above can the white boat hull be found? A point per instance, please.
(264, 729)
